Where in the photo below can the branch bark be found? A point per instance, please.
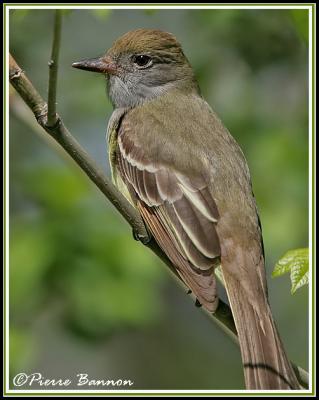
(58, 131)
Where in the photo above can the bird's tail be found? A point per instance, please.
(265, 362)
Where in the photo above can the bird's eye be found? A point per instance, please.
(142, 60)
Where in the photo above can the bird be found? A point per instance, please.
(178, 165)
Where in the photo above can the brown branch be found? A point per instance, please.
(18, 79)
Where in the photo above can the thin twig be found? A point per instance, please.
(18, 79)
(53, 69)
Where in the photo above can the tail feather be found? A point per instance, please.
(265, 362)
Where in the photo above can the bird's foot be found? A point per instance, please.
(197, 303)
(145, 239)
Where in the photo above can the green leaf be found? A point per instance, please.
(299, 275)
(297, 263)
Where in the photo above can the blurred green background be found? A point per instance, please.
(84, 296)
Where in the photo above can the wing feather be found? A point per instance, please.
(180, 213)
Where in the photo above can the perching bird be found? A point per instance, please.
(179, 166)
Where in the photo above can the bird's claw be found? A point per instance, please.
(145, 239)
(197, 303)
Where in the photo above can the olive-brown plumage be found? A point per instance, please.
(180, 167)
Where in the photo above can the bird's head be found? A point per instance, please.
(141, 65)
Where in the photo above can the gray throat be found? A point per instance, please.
(127, 95)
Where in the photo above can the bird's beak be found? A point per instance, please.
(103, 65)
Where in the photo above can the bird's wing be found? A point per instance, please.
(179, 211)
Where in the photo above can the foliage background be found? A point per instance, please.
(84, 296)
